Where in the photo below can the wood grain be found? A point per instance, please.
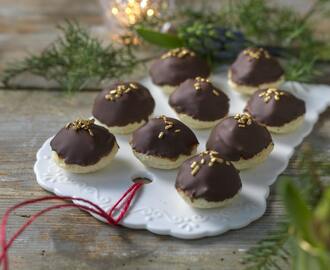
(72, 239)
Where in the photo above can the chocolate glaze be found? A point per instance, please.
(275, 113)
(250, 71)
(174, 70)
(79, 147)
(172, 144)
(202, 104)
(131, 107)
(233, 142)
(214, 183)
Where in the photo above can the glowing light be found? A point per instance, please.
(130, 12)
(150, 12)
(144, 4)
(114, 11)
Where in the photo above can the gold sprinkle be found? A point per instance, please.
(161, 135)
(198, 82)
(243, 119)
(134, 86)
(271, 93)
(193, 164)
(81, 124)
(213, 158)
(195, 170)
(215, 92)
(256, 53)
(178, 52)
(120, 90)
(168, 124)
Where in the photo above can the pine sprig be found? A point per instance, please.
(271, 252)
(309, 179)
(74, 60)
(274, 251)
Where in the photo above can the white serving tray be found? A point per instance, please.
(158, 208)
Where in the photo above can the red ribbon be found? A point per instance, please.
(122, 205)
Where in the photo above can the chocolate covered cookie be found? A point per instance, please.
(253, 69)
(82, 147)
(163, 143)
(241, 140)
(206, 181)
(199, 104)
(123, 107)
(279, 111)
(175, 66)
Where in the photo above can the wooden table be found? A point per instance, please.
(72, 239)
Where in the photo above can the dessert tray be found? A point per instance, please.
(158, 208)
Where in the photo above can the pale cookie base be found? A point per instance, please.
(202, 203)
(168, 89)
(288, 127)
(163, 163)
(74, 168)
(243, 164)
(197, 124)
(122, 130)
(249, 90)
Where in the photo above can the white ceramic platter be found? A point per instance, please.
(158, 208)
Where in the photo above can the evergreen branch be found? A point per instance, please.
(301, 68)
(74, 60)
(270, 252)
(311, 169)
